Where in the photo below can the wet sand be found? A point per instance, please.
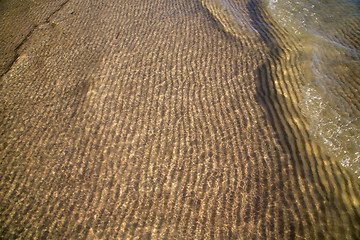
(160, 120)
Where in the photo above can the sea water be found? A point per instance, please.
(329, 34)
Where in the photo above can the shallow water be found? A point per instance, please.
(328, 33)
(164, 120)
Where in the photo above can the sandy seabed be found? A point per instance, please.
(159, 120)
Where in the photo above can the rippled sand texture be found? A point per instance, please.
(162, 120)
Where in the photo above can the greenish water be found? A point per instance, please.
(328, 32)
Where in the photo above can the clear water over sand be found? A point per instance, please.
(163, 120)
(328, 33)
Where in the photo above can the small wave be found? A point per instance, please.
(234, 18)
(338, 133)
(328, 33)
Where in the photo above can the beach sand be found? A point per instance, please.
(159, 120)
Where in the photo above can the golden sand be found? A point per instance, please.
(159, 120)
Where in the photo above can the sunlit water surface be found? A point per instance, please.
(330, 99)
